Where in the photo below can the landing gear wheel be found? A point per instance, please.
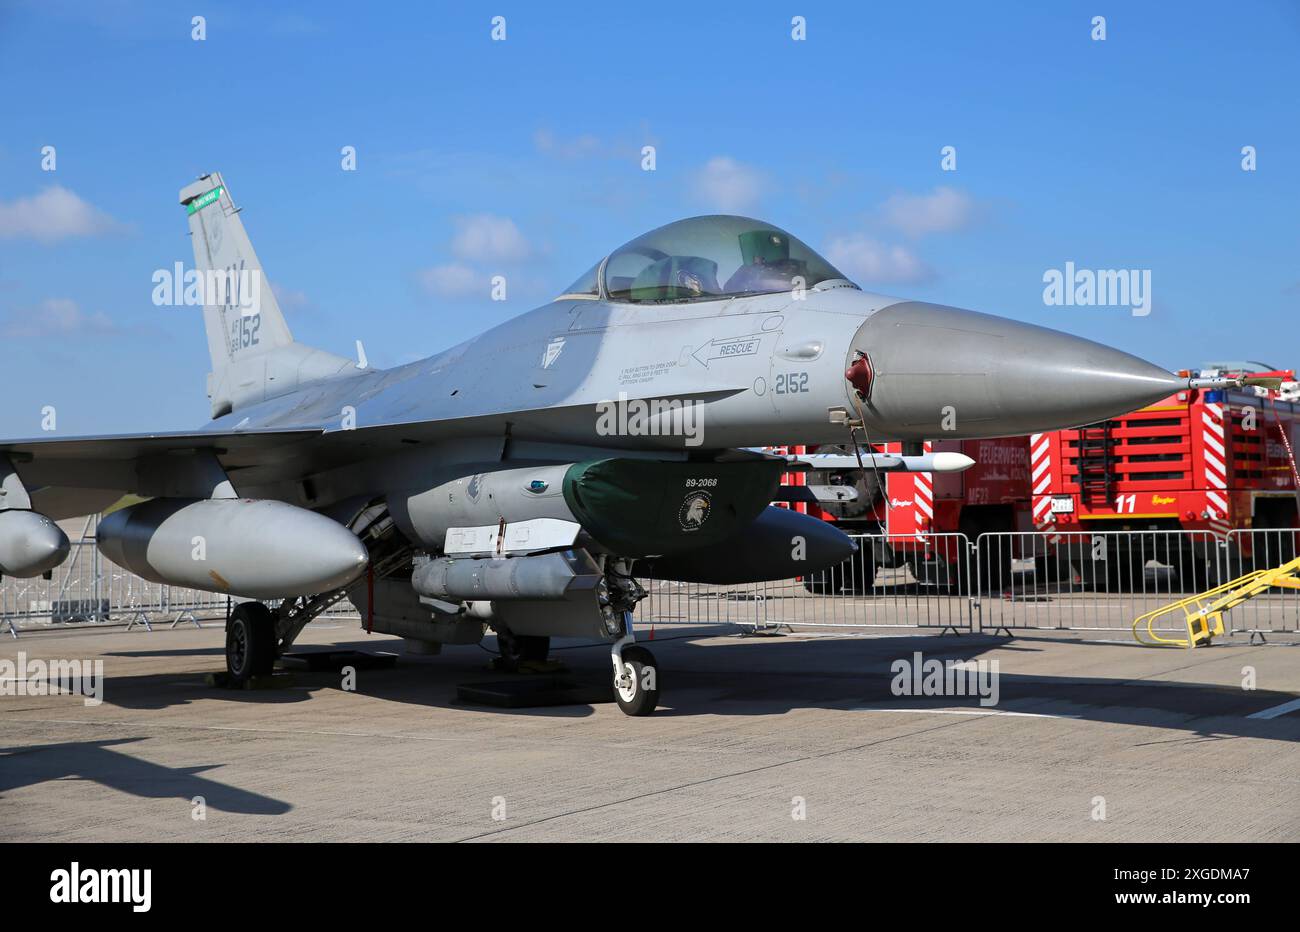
(637, 689)
(522, 648)
(826, 582)
(250, 641)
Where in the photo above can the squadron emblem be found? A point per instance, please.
(694, 511)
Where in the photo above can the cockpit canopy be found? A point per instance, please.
(705, 259)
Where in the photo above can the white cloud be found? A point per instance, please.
(728, 185)
(621, 146)
(944, 210)
(488, 238)
(291, 299)
(580, 146)
(54, 214)
(55, 317)
(867, 260)
(453, 280)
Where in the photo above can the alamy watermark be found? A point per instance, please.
(229, 287)
(651, 417)
(77, 884)
(23, 677)
(1072, 287)
(921, 677)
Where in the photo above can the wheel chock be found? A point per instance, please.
(333, 661)
(532, 667)
(224, 680)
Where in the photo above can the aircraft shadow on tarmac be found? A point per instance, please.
(187, 652)
(1202, 709)
(772, 676)
(100, 762)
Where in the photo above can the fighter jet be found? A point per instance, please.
(527, 480)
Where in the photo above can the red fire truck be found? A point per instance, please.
(1210, 461)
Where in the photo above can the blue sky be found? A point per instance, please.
(522, 158)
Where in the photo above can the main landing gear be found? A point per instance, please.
(518, 648)
(256, 635)
(250, 641)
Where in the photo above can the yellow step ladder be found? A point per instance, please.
(1203, 613)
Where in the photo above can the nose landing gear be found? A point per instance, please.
(636, 674)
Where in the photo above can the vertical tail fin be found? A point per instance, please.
(253, 353)
(240, 312)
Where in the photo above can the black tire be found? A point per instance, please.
(523, 648)
(250, 641)
(645, 682)
(829, 581)
(934, 576)
(1195, 574)
(862, 574)
(1046, 573)
(1126, 571)
(994, 565)
(534, 647)
(1062, 573)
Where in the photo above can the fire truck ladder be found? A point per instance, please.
(1203, 613)
(1095, 461)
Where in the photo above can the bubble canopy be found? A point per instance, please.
(706, 259)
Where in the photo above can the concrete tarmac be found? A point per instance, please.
(801, 737)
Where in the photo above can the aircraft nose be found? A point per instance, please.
(946, 372)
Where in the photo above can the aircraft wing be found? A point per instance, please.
(68, 477)
(108, 448)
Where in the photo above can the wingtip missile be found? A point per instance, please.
(942, 461)
(945, 461)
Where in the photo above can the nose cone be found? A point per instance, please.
(945, 372)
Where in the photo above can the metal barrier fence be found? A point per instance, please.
(1002, 581)
(88, 588)
(1262, 549)
(1106, 579)
(892, 581)
(1091, 581)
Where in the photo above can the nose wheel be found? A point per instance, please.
(636, 673)
(636, 685)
